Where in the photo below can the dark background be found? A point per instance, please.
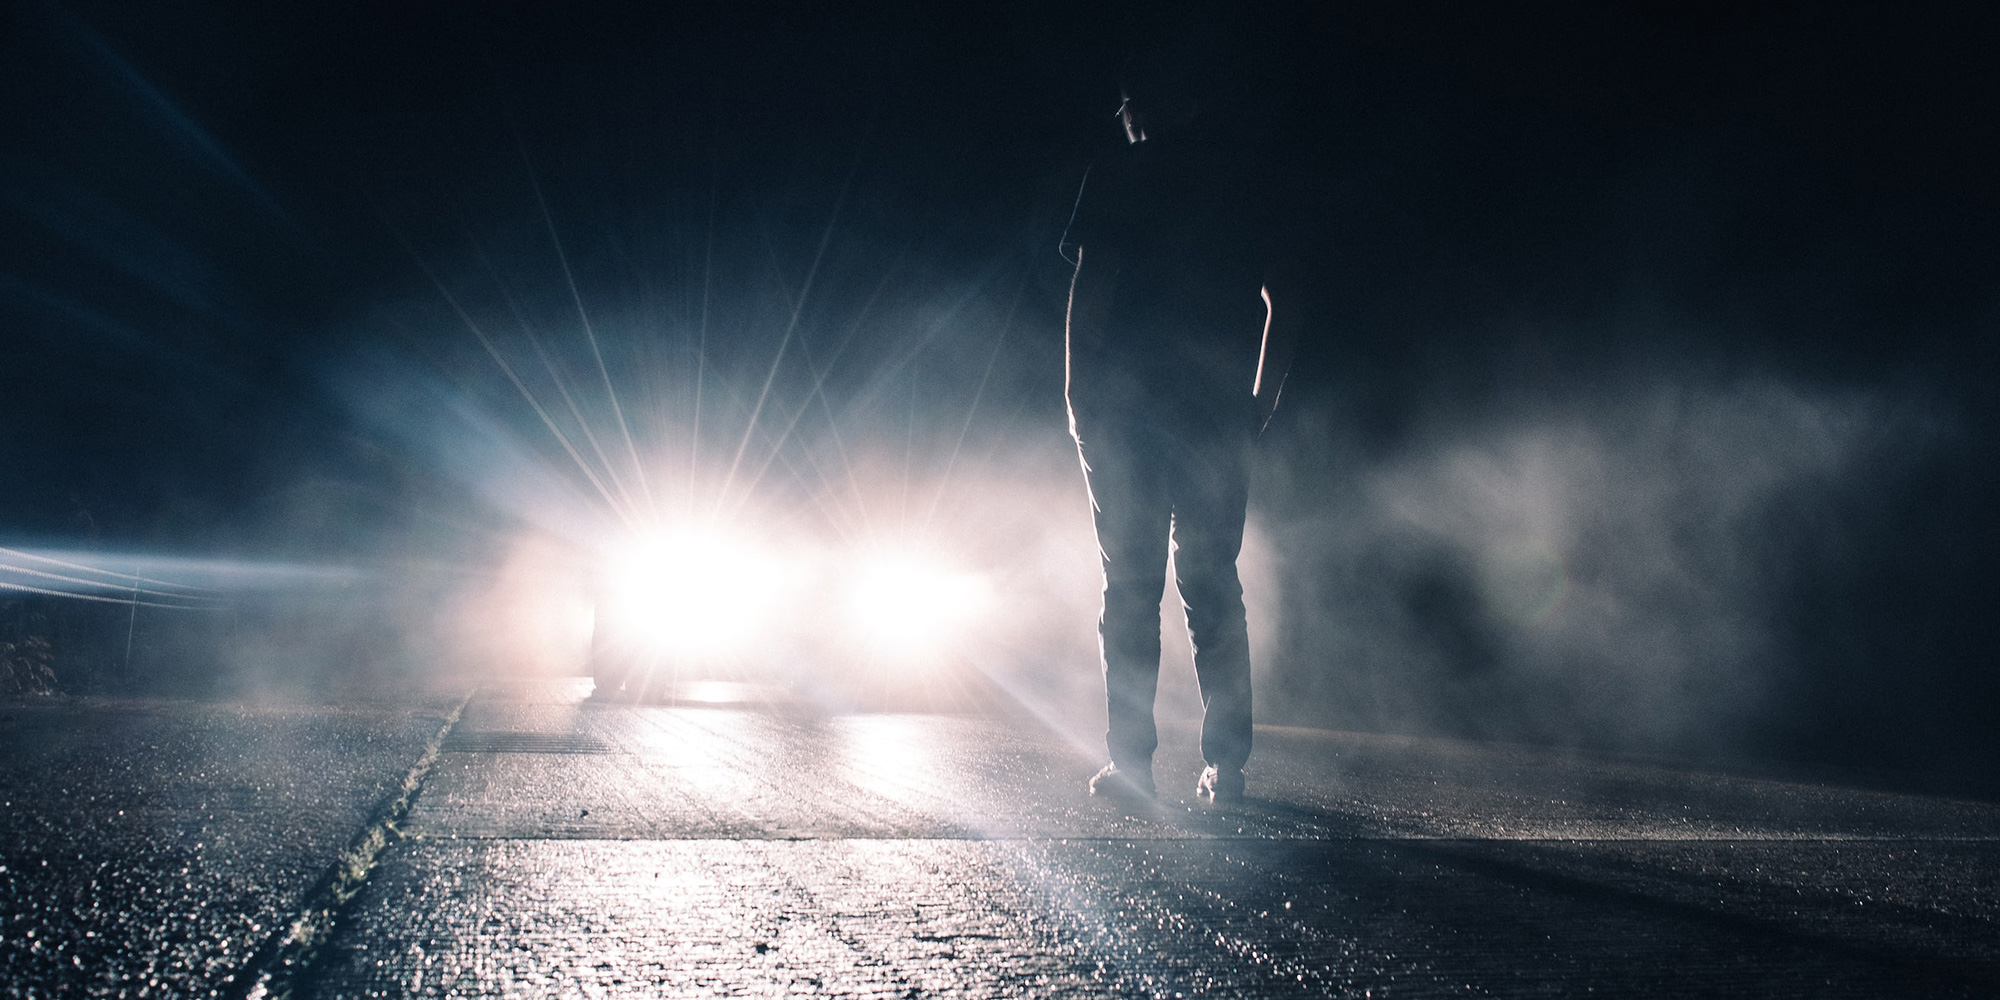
(1646, 404)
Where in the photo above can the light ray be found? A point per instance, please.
(555, 375)
(818, 390)
(791, 327)
(498, 359)
(892, 367)
(701, 345)
(590, 334)
(778, 443)
(98, 584)
(80, 567)
(180, 121)
(122, 334)
(944, 479)
(819, 383)
(120, 601)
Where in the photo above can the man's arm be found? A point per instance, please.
(1091, 290)
(1285, 316)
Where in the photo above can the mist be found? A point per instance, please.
(1646, 403)
(1609, 570)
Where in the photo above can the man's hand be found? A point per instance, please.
(1283, 318)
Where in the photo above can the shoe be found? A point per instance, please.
(1118, 785)
(1219, 786)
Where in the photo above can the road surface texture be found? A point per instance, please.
(151, 848)
(563, 848)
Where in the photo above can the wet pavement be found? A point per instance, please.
(565, 848)
(150, 848)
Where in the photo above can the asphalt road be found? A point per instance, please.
(558, 847)
(151, 848)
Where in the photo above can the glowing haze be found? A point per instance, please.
(1647, 400)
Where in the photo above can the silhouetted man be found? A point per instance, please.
(1179, 335)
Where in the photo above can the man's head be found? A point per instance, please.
(1175, 90)
(1159, 93)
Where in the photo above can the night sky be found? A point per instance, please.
(1693, 303)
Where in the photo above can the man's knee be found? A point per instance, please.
(1129, 600)
(1215, 612)
(1208, 579)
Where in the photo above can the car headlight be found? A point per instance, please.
(690, 592)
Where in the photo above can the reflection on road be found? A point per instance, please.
(764, 850)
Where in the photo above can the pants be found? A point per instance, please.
(1154, 478)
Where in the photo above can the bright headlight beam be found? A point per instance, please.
(690, 592)
(904, 605)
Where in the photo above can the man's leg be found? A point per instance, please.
(1211, 496)
(1130, 509)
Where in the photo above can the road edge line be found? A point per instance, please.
(275, 967)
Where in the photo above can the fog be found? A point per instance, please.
(1613, 569)
(1646, 403)
(1626, 561)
